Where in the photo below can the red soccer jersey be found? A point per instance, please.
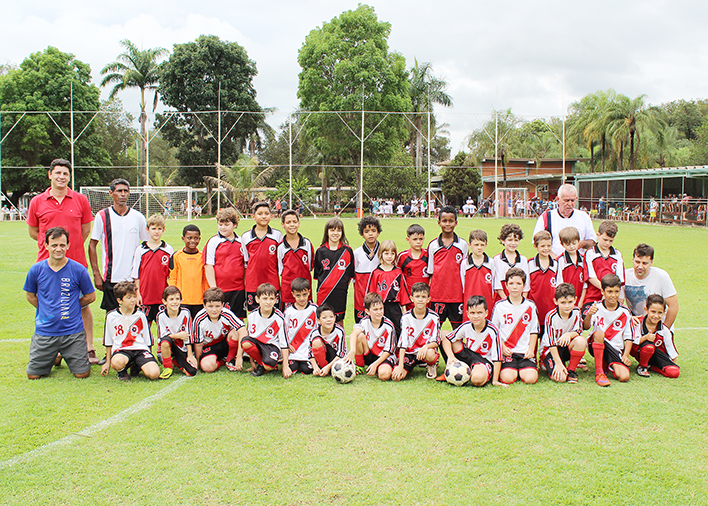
(152, 268)
(477, 280)
(391, 285)
(227, 258)
(597, 266)
(365, 262)
(261, 257)
(415, 270)
(334, 269)
(542, 286)
(444, 269)
(294, 263)
(573, 273)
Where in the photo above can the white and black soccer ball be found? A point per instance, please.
(343, 372)
(457, 373)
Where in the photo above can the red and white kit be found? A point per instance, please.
(516, 323)
(261, 258)
(542, 285)
(127, 332)
(415, 270)
(487, 343)
(210, 333)
(167, 326)
(152, 268)
(597, 266)
(617, 325)
(337, 339)
(299, 324)
(365, 261)
(417, 332)
(477, 280)
(664, 337)
(381, 339)
(294, 263)
(501, 264)
(573, 273)
(269, 330)
(227, 257)
(555, 327)
(444, 269)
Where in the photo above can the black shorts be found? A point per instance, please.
(472, 358)
(179, 357)
(518, 362)
(109, 302)
(269, 352)
(392, 311)
(220, 349)
(448, 311)
(370, 358)
(136, 357)
(563, 353)
(584, 309)
(303, 366)
(193, 309)
(611, 355)
(659, 359)
(236, 302)
(251, 303)
(358, 315)
(410, 360)
(151, 311)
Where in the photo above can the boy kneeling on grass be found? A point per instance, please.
(654, 342)
(127, 336)
(174, 327)
(217, 332)
(328, 342)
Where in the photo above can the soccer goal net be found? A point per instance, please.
(170, 201)
(512, 202)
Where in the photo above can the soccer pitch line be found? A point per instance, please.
(98, 427)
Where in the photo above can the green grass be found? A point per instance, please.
(228, 438)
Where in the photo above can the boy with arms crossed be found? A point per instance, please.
(373, 339)
(174, 330)
(654, 342)
(328, 342)
(216, 333)
(295, 257)
(476, 270)
(571, 266)
(366, 259)
(300, 320)
(187, 270)
(260, 252)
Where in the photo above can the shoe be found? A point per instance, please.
(601, 380)
(360, 370)
(643, 371)
(184, 371)
(572, 377)
(102, 361)
(583, 365)
(258, 371)
(231, 366)
(432, 371)
(441, 377)
(123, 375)
(57, 360)
(166, 373)
(93, 359)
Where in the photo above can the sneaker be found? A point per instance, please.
(601, 380)
(441, 377)
(583, 365)
(166, 373)
(231, 366)
(572, 377)
(432, 371)
(360, 369)
(123, 375)
(643, 371)
(57, 360)
(93, 359)
(258, 371)
(102, 361)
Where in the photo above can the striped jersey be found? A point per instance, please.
(227, 257)
(444, 269)
(664, 337)
(127, 332)
(152, 268)
(334, 269)
(516, 323)
(299, 323)
(267, 330)
(542, 285)
(294, 263)
(597, 265)
(381, 339)
(391, 285)
(167, 326)
(208, 332)
(366, 261)
(485, 343)
(261, 258)
(555, 327)
(616, 324)
(337, 339)
(417, 332)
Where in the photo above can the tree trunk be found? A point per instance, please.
(325, 183)
(603, 152)
(418, 145)
(632, 159)
(592, 157)
(143, 136)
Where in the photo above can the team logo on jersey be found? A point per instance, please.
(310, 323)
(553, 282)
(304, 259)
(458, 258)
(526, 317)
(381, 341)
(134, 329)
(658, 342)
(617, 324)
(341, 264)
(165, 260)
(270, 331)
(488, 278)
(274, 355)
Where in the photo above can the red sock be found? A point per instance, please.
(253, 352)
(435, 360)
(645, 353)
(233, 350)
(360, 360)
(670, 371)
(320, 354)
(575, 357)
(219, 363)
(598, 350)
(167, 362)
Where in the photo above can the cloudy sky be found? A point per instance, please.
(532, 56)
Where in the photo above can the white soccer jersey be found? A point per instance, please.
(181, 323)
(555, 327)
(208, 332)
(119, 237)
(380, 339)
(616, 324)
(270, 330)
(127, 332)
(299, 323)
(516, 323)
(502, 264)
(417, 332)
(337, 339)
(664, 337)
(485, 343)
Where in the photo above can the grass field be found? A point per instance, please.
(228, 438)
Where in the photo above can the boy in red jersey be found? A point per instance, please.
(610, 340)
(387, 280)
(653, 345)
(476, 343)
(151, 268)
(300, 320)
(266, 334)
(476, 270)
(260, 252)
(509, 236)
(224, 262)
(601, 260)
(295, 257)
(517, 321)
(373, 340)
(420, 336)
(334, 268)
(562, 341)
(445, 254)
(366, 259)
(414, 261)
(328, 342)
(127, 336)
(543, 272)
(174, 331)
(216, 333)
(571, 266)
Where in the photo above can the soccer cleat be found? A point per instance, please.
(123, 375)
(360, 370)
(102, 361)
(231, 366)
(93, 359)
(441, 377)
(432, 371)
(258, 371)
(583, 364)
(601, 380)
(643, 371)
(166, 373)
(572, 377)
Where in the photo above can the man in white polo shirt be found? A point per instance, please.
(120, 230)
(565, 215)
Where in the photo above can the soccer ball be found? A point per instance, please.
(457, 373)
(343, 372)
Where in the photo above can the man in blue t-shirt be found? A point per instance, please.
(59, 288)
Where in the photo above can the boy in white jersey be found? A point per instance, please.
(328, 342)
(611, 337)
(420, 336)
(372, 340)
(216, 333)
(266, 334)
(476, 343)
(654, 342)
(561, 340)
(300, 320)
(127, 336)
(517, 321)
(174, 331)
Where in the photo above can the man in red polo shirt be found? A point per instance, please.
(61, 206)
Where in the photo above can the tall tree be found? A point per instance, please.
(136, 68)
(425, 90)
(461, 179)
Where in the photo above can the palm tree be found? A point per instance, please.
(241, 178)
(588, 123)
(136, 68)
(425, 90)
